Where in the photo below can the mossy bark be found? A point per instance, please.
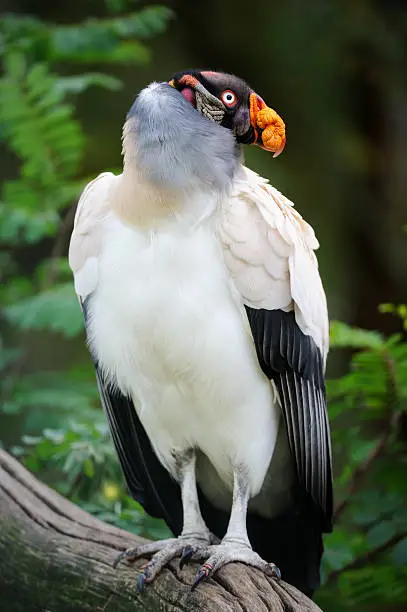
(54, 557)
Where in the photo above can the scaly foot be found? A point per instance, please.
(163, 551)
(226, 552)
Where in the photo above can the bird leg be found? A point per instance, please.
(194, 536)
(235, 545)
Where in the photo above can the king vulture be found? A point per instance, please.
(207, 323)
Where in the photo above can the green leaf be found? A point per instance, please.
(55, 391)
(31, 440)
(338, 549)
(399, 553)
(31, 105)
(78, 84)
(54, 435)
(381, 533)
(344, 336)
(362, 450)
(56, 309)
(88, 468)
(24, 33)
(375, 583)
(108, 39)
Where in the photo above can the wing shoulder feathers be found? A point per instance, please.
(86, 240)
(269, 251)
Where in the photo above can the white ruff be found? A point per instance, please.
(169, 330)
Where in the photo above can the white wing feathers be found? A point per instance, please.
(86, 241)
(269, 251)
(268, 248)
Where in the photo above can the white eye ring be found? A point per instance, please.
(228, 97)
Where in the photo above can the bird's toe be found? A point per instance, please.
(273, 571)
(187, 554)
(163, 552)
(230, 553)
(131, 554)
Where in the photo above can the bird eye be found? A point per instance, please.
(229, 98)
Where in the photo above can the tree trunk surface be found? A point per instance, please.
(54, 557)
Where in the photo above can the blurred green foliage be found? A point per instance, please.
(366, 556)
(39, 128)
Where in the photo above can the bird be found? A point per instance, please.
(207, 323)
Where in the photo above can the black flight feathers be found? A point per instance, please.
(294, 362)
(148, 482)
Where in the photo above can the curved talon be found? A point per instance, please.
(186, 556)
(119, 558)
(203, 573)
(274, 571)
(140, 582)
(126, 554)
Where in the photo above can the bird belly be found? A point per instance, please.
(276, 493)
(168, 330)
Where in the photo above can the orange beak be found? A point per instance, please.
(269, 128)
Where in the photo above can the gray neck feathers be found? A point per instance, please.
(172, 145)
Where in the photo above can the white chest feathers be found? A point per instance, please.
(168, 330)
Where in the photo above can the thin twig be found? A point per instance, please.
(367, 558)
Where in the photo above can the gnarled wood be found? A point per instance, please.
(54, 557)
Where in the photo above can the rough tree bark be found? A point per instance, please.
(54, 557)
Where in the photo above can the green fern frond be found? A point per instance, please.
(40, 127)
(115, 39)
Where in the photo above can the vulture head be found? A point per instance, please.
(230, 102)
(187, 134)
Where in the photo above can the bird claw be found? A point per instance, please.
(144, 578)
(131, 554)
(162, 552)
(140, 582)
(204, 573)
(216, 556)
(227, 552)
(126, 554)
(187, 553)
(273, 571)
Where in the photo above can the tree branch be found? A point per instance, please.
(56, 557)
(368, 557)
